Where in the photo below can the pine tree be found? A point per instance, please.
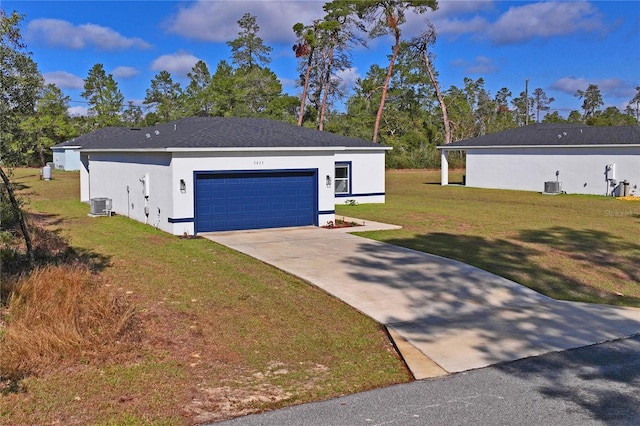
(164, 95)
(198, 93)
(591, 100)
(248, 50)
(106, 102)
(386, 17)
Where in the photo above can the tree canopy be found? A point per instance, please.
(248, 49)
(20, 86)
(101, 91)
(397, 101)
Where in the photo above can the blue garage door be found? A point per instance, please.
(254, 200)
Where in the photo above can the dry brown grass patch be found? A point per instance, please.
(59, 314)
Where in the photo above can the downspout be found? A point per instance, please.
(145, 191)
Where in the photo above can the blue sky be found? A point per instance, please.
(559, 46)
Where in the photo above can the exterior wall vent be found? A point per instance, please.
(101, 206)
(552, 187)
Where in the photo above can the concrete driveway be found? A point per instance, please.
(444, 316)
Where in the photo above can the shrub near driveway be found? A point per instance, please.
(574, 247)
(220, 334)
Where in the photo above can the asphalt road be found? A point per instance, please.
(595, 385)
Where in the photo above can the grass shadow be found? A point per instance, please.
(20, 182)
(46, 218)
(445, 301)
(590, 247)
(50, 248)
(455, 182)
(517, 262)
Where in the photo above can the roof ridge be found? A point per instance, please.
(220, 132)
(556, 134)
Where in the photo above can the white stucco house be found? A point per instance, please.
(66, 155)
(214, 174)
(553, 157)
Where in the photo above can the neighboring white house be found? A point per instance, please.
(211, 174)
(571, 158)
(66, 155)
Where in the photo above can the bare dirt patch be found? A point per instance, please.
(248, 393)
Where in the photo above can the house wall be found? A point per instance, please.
(367, 176)
(72, 159)
(66, 158)
(119, 176)
(58, 158)
(581, 169)
(185, 163)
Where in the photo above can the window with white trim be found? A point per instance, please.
(341, 180)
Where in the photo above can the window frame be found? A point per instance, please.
(348, 166)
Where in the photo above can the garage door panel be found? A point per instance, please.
(277, 192)
(254, 200)
(234, 209)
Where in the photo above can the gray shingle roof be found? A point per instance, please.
(217, 132)
(101, 135)
(70, 142)
(555, 134)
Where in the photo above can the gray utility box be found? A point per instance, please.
(101, 206)
(625, 192)
(552, 187)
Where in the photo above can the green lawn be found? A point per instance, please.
(222, 334)
(573, 247)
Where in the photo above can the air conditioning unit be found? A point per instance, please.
(552, 187)
(101, 206)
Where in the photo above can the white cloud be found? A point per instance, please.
(348, 77)
(446, 8)
(59, 33)
(136, 102)
(125, 72)
(545, 19)
(78, 111)
(179, 63)
(217, 21)
(288, 82)
(480, 65)
(64, 80)
(570, 85)
(617, 88)
(519, 23)
(613, 87)
(452, 18)
(456, 26)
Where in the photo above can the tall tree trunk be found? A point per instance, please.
(43, 161)
(443, 106)
(305, 87)
(21, 219)
(385, 86)
(325, 94)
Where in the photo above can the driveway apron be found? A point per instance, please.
(457, 315)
